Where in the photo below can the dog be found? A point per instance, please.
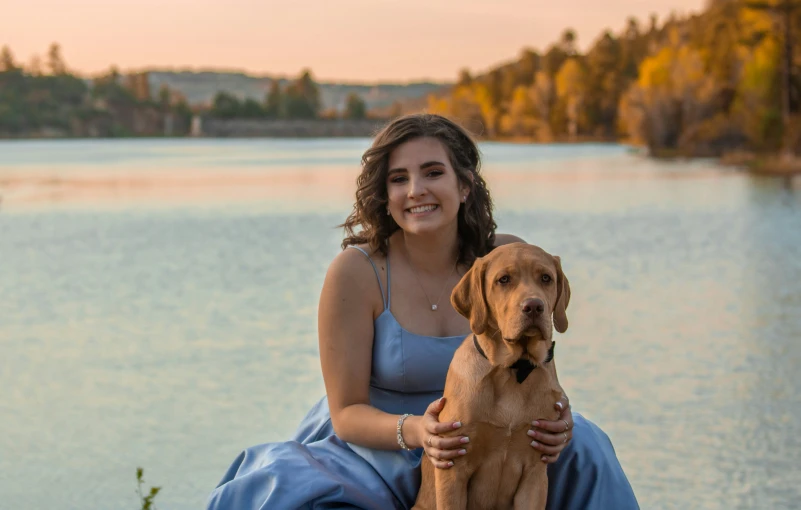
(501, 378)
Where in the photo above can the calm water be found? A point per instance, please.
(159, 310)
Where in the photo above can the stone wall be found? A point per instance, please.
(211, 127)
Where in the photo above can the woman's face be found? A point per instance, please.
(423, 189)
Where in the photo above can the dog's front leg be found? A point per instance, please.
(532, 493)
(451, 487)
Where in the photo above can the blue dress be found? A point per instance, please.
(317, 470)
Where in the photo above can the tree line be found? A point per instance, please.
(295, 99)
(723, 79)
(48, 99)
(719, 80)
(44, 98)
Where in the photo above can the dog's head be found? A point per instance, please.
(512, 294)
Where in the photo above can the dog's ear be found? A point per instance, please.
(562, 298)
(468, 297)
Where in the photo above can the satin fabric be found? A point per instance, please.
(317, 470)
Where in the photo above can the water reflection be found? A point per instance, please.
(160, 304)
(590, 179)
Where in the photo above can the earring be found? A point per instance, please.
(464, 199)
(387, 211)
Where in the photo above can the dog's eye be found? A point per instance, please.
(503, 280)
(546, 278)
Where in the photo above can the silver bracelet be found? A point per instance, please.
(400, 436)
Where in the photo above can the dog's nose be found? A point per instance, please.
(533, 307)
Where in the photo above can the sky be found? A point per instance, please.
(339, 40)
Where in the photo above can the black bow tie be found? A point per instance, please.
(523, 366)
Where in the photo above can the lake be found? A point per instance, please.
(159, 310)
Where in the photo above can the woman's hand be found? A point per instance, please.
(440, 450)
(551, 437)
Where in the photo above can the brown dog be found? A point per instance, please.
(501, 379)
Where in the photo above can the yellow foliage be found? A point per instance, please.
(571, 79)
(655, 71)
(522, 103)
(438, 105)
(762, 66)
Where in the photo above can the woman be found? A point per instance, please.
(387, 333)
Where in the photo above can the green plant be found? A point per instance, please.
(147, 501)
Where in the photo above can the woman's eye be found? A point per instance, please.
(546, 278)
(503, 280)
(435, 173)
(396, 180)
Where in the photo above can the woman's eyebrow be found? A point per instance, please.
(425, 165)
(431, 163)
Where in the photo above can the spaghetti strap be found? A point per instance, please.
(389, 285)
(377, 275)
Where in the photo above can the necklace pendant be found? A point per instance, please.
(433, 308)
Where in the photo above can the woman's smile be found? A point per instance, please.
(420, 211)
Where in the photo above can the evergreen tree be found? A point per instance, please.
(355, 107)
(7, 60)
(274, 102)
(55, 62)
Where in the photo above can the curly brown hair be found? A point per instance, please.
(476, 227)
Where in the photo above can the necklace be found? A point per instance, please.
(434, 306)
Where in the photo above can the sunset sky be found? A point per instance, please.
(348, 40)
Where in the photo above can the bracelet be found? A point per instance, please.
(400, 436)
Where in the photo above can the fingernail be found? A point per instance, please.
(544, 459)
(534, 444)
(462, 452)
(450, 464)
(560, 405)
(532, 433)
(441, 400)
(464, 440)
(457, 424)
(535, 423)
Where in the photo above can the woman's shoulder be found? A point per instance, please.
(501, 239)
(351, 282)
(358, 254)
(353, 265)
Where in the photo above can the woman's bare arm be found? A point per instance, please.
(348, 305)
(345, 327)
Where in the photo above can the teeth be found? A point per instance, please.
(422, 208)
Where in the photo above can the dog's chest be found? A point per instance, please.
(514, 404)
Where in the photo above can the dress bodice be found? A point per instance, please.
(409, 370)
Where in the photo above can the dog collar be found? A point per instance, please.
(523, 366)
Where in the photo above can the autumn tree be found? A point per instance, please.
(570, 93)
(605, 81)
(465, 78)
(521, 118)
(672, 97)
(543, 94)
(783, 12)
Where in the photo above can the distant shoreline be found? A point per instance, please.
(210, 127)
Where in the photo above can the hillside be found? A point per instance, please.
(200, 88)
